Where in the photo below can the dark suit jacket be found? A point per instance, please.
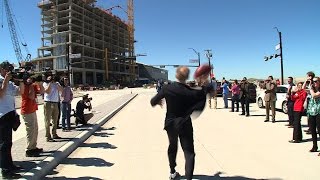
(181, 101)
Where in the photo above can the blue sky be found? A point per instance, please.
(239, 32)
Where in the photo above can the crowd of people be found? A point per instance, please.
(182, 100)
(304, 97)
(57, 96)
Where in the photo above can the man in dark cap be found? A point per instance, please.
(181, 101)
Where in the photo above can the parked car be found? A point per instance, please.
(281, 102)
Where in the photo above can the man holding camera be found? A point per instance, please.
(81, 105)
(28, 112)
(270, 98)
(307, 85)
(51, 103)
(8, 91)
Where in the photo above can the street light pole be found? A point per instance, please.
(209, 55)
(281, 56)
(68, 62)
(198, 54)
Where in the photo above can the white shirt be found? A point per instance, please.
(53, 95)
(7, 101)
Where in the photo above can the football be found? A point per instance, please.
(203, 69)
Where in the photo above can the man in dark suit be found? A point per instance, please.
(181, 101)
(244, 97)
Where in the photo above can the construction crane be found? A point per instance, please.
(131, 38)
(131, 41)
(14, 35)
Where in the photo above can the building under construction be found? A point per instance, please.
(87, 42)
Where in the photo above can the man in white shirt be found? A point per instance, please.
(8, 91)
(51, 109)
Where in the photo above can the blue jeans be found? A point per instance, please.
(66, 111)
(225, 99)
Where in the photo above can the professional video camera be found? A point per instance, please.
(22, 73)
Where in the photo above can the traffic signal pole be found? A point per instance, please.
(281, 58)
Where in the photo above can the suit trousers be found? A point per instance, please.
(235, 100)
(51, 111)
(186, 141)
(31, 122)
(314, 126)
(290, 112)
(297, 132)
(215, 102)
(271, 105)
(245, 105)
(6, 162)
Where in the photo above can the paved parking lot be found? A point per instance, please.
(133, 145)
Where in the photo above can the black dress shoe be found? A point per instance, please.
(294, 141)
(247, 115)
(56, 137)
(314, 149)
(39, 150)
(7, 174)
(267, 120)
(32, 153)
(242, 114)
(16, 168)
(273, 121)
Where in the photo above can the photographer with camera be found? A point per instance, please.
(29, 107)
(307, 85)
(51, 105)
(270, 98)
(81, 105)
(8, 91)
(313, 112)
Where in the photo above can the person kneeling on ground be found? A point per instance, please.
(81, 105)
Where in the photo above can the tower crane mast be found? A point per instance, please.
(13, 33)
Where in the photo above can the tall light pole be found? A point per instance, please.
(209, 56)
(281, 56)
(197, 54)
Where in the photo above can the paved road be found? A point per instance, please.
(132, 145)
(99, 97)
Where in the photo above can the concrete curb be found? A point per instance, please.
(48, 164)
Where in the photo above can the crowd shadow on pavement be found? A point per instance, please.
(102, 145)
(102, 134)
(217, 176)
(85, 162)
(80, 178)
(64, 177)
(262, 115)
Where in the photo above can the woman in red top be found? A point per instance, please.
(298, 95)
